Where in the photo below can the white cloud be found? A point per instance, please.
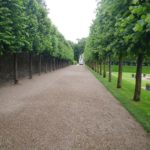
(72, 17)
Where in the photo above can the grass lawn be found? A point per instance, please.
(127, 78)
(140, 110)
(130, 69)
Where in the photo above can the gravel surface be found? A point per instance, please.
(66, 110)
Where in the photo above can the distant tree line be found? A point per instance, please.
(78, 48)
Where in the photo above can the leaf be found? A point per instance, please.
(135, 1)
(139, 26)
(147, 19)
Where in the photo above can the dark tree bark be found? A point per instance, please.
(54, 66)
(15, 69)
(57, 63)
(51, 64)
(30, 66)
(119, 82)
(46, 63)
(109, 64)
(137, 92)
(63, 63)
(100, 69)
(104, 70)
(60, 63)
(95, 67)
(39, 64)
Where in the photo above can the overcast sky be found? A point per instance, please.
(72, 17)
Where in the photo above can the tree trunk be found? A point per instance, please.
(51, 64)
(110, 77)
(39, 64)
(60, 63)
(46, 63)
(104, 71)
(100, 68)
(92, 66)
(15, 69)
(57, 63)
(119, 82)
(137, 92)
(95, 67)
(54, 64)
(30, 66)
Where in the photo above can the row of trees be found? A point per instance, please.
(121, 29)
(26, 28)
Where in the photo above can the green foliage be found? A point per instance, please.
(121, 27)
(25, 26)
(136, 28)
(12, 25)
(78, 48)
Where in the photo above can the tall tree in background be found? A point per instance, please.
(78, 48)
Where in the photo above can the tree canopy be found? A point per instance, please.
(121, 29)
(26, 27)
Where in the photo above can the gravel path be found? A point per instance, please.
(66, 110)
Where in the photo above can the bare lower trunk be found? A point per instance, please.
(104, 69)
(54, 64)
(46, 64)
(51, 62)
(15, 69)
(57, 63)
(119, 82)
(39, 64)
(137, 92)
(95, 66)
(30, 66)
(61, 63)
(100, 69)
(110, 77)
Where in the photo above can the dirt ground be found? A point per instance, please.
(66, 110)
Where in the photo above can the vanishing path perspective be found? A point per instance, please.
(66, 110)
